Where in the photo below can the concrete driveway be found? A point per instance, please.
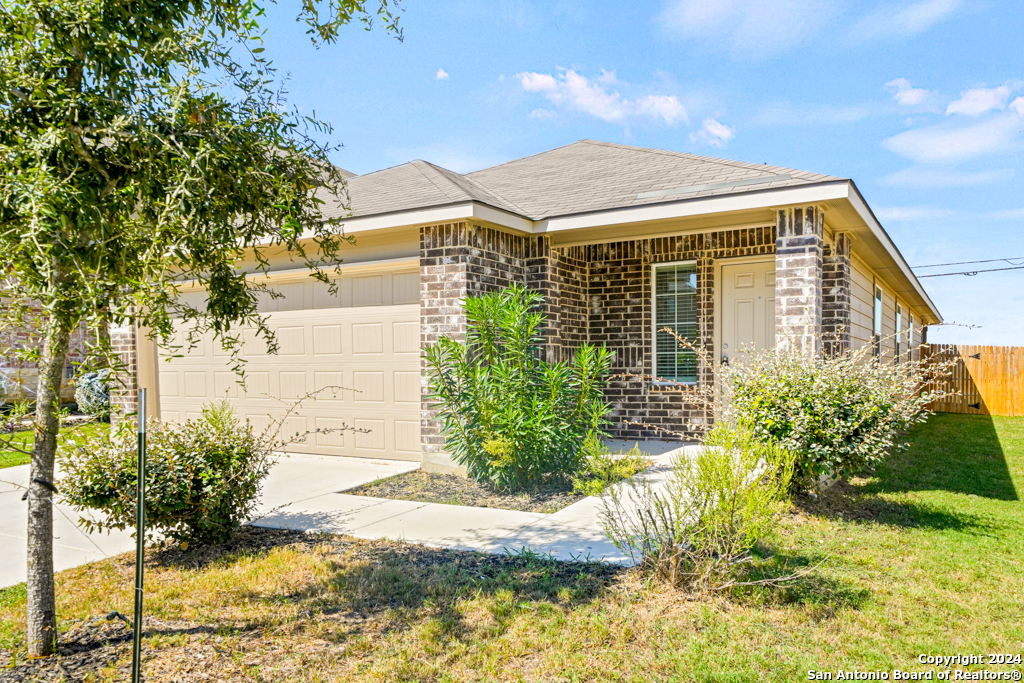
(296, 478)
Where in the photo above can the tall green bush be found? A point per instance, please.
(203, 478)
(513, 419)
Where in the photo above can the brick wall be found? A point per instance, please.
(599, 293)
(835, 295)
(22, 376)
(124, 392)
(619, 286)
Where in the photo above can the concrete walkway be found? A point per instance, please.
(306, 493)
(572, 533)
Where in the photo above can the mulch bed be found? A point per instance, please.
(451, 489)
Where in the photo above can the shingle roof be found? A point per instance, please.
(585, 176)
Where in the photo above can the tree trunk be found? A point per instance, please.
(42, 612)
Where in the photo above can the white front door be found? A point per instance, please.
(748, 308)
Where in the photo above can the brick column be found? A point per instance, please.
(458, 260)
(835, 296)
(798, 278)
(541, 273)
(124, 389)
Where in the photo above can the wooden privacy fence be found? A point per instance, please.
(985, 380)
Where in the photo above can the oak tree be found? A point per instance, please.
(144, 144)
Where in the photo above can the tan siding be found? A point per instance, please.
(863, 279)
(860, 303)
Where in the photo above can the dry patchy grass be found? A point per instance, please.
(920, 561)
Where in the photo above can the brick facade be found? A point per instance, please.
(22, 376)
(124, 393)
(835, 295)
(798, 278)
(599, 293)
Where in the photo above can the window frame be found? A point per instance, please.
(654, 321)
(877, 310)
(897, 359)
(910, 336)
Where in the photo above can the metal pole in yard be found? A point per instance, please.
(140, 543)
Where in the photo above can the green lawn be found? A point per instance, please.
(12, 458)
(924, 556)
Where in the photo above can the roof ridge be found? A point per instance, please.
(418, 165)
(528, 156)
(475, 184)
(668, 152)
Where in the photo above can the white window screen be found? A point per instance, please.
(675, 307)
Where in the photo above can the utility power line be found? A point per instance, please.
(972, 272)
(964, 263)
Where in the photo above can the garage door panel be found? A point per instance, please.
(373, 349)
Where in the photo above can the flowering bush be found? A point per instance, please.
(837, 413)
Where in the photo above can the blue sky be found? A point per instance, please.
(921, 102)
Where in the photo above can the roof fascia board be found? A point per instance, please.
(879, 233)
(439, 214)
(292, 275)
(762, 199)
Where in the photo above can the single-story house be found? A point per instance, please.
(622, 241)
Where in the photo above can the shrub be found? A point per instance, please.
(203, 479)
(92, 393)
(513, 419)
(838, 413)
(696, 528)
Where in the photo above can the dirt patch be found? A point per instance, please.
(451, 489)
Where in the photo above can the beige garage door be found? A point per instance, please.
(365, 339)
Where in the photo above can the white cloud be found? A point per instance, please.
(892, 20)
(1018, 106)
(945, 143)
(920, 177)
(910, 97)
(441, 75)
(748, 29)
(594, 97)
(542, 114)
(978, 101)
(899, 214)
(788, 114)
(1009, 215)
(713, 133)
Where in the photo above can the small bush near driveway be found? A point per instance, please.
(203, 479)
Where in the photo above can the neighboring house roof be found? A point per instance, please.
(577, 178)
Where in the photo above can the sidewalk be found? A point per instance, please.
(571, 533)
(306, 493)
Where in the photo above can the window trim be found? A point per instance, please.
(654, 320)
(910, 335)
(877, 311)
(898, 340)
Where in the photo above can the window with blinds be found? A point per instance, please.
(675, 307)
